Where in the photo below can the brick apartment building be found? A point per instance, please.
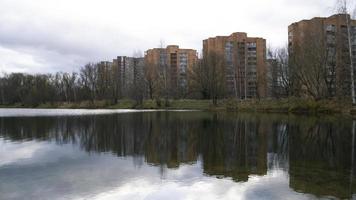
(245, 63)
(174, 63)
(333, 35)
(130, 73)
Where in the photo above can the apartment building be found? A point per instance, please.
(245, 63)
(173, 64)
(329, 37)
(130, 73)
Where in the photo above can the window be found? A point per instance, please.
(228, 51)
(229, 57)
(251, 45)
(162, 58)
(343, 29)
(183, 63)
(330, 28)
(330, 39)
(290, 34)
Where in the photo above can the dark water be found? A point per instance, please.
(174, 155)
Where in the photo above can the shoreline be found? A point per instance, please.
(283, 106)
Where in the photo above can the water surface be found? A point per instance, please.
(101, 154)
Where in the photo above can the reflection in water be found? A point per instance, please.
(320, 158)
(317, 153)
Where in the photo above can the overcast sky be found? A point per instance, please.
(61, 35)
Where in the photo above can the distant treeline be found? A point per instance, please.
(93, 82)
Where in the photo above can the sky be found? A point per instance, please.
(46, 36)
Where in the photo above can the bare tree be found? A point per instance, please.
(213, 76)
(88, 75)
(342, 6)
(139, 87)
(309, 64)
(69, 81)
(279, 72)
(151, 78)
(2, 89)
(164, 72)
(115, 81)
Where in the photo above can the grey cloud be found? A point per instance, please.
(61, 36)
(58, 45)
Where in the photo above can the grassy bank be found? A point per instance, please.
(126, 104)
(290, 105)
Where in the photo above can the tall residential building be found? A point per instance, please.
(130, 72)
(332, 35)
(173, 64)
(245, 63)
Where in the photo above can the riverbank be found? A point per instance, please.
(293, 105)
(127, 104)
(290, 105)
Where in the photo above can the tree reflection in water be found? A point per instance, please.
(318, 153)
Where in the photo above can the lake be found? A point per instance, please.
(132, 154)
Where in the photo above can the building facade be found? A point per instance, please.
(244, 63)
(172, 64)
(129, 71)
(326, 39)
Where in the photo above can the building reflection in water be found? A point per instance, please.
(317, 153)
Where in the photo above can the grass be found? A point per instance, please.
(287, 105)
(190, 104)
(295, 105)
